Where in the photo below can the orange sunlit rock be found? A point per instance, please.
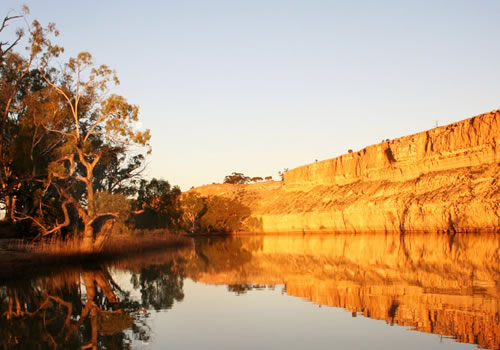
(442, 180)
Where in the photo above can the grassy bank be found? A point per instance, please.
(18, 256)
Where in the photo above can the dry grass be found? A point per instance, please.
(20, 258)
(115, 247)
(135, 245)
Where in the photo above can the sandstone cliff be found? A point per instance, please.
(471, 142)
(445, 180)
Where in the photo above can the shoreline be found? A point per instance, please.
(17, 262)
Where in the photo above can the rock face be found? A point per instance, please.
(442, 180)
(471, 142)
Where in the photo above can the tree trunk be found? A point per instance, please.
(12, 208)
(88, 279)
(88, 238)
(103, 234)
(94, 241)
(101, 279)
(88, 242)
(7, 203)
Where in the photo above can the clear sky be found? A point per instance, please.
(256, 86)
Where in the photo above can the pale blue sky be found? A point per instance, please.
(258, 86)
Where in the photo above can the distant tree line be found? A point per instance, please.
(214, 214)
(240, 178)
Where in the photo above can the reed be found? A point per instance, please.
(19, 259)
(115, 247)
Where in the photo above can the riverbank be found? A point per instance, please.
(18, 256)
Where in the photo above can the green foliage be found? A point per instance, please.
(65, 310)
(66, 148)
(57, 169)
(193, 207)
(159, 203)
(223, 215)
(118, 172)
(106, 202)
(159, 286)
(65, 140)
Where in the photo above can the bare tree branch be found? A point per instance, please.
(45, 231)
(19, 35)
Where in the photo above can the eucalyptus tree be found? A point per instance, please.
(7, 45)
(20, 87)
(193, 207)
(91, 121)
(64, 139)
(158, 205)
(237, 178)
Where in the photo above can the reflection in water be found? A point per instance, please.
(159, 287)
(448, 285)
(83, 309)
(79, 308)
(440, 284)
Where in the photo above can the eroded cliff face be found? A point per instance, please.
(442, 180)
(471, 142)
(450, 287)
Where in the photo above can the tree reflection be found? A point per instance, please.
(84, 309)
(159, 286)
(214, 255)
(78, 309)
(242, 288)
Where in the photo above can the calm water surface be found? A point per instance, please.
(268, 292)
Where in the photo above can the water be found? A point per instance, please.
(268, 292)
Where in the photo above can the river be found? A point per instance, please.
(358, 291)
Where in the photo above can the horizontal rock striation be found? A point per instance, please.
(471, 142)
(443, 180)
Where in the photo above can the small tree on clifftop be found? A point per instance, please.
(236, 178)
(282, 174)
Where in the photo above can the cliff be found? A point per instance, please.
(471, 142)
(441, 180)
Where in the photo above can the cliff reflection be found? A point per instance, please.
(448, 285)
(84, 309)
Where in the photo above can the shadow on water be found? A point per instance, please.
(422, 282)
